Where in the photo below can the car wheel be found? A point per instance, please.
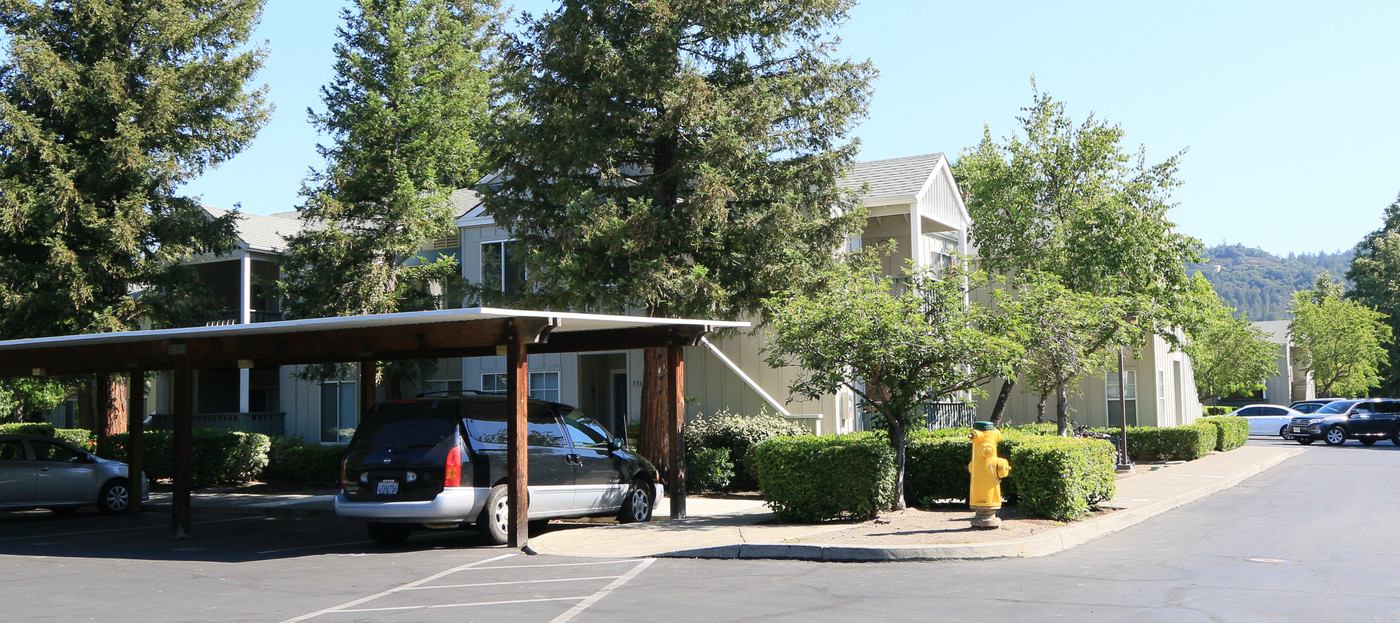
(1335, 436)
(637, 506)
(389, 533)
(1283, 432)
(494, 521)
(1395, 437)
(1367, 442)
(114, 496)
(1307, 441)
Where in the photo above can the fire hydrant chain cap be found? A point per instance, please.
(983, 426)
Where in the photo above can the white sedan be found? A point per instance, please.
(1268, 419)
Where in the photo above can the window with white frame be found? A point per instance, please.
(541, 386)
(339, 415)
(1161, 385)
(1130, 398)
(446, 377)
(502, 266)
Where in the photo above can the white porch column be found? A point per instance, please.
(916, 235)
(245, 316)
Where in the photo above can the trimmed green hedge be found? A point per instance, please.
(218, 455)
(810, 478)
(935, 468)
(27, 428)
(291, 459)
(1062, 478)
(709, 469)
(1231, 432)
(1216, 410)
(1178, 443)
(736, 434)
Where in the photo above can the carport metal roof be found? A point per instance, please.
(480, 331)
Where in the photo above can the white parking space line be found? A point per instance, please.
(481, 584)
(111, 530)
(351, 604)
(592, 599)
(462, 605)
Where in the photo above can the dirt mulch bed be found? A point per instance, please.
(943, 524)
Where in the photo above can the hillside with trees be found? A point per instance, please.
(1262, 284)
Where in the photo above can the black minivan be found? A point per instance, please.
(440, 462)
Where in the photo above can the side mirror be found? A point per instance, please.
(615, 444)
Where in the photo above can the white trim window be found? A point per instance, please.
(1114, 417)
(339, 412)
(502, 266)
(541, 386)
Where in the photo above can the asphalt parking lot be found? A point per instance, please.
(88, 567)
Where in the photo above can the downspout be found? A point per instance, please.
(744, 377)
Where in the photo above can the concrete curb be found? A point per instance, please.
(1051, 542)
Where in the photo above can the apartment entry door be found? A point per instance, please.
(617, 404)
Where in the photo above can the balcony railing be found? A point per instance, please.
(270, 424)
(937, 415)
(230, 316)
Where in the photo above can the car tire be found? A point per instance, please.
(1307, 441)
(1335, 436)
(494, 521)
(114, 497)
(1283, 432)
(389, 533)
(1395, 437)
(638, 505)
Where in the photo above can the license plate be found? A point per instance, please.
(1297, 429)
(387, 487)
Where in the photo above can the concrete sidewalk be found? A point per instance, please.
(739, 528)
(736, 529)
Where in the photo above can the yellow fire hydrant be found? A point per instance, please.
(987, 470)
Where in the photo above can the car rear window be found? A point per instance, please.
(408, 423)
(486, 423)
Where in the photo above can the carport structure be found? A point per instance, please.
(470, 332)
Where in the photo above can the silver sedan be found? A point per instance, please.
(38, 472)
(1267, 420)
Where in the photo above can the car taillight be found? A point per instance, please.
(452, 472)
(342, 472)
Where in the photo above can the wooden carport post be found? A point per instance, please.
(675, 421)
(183, 438)
(135, 436)
(517, 461)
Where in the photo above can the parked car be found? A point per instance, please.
(1310, 406)
(1267, 419)
(1368, 421)
(440, 462)
(39, 472)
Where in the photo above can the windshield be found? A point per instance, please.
(1341, 406)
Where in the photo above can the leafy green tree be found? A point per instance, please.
(1068, 201)
(403, 114)
(106, 109)
(1375, 277)
(1341, 342)
(1228, 353)
(28, 399)
(897, 346)
(676, 157)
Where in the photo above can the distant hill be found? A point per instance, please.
(1262, 284)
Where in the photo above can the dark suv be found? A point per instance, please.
(1367, 420)
(440, 462)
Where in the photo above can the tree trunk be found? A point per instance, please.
(1040, 407)
(653, 443)
(1061, 408)
(1002, 397)
(112, 391)
(897, 441)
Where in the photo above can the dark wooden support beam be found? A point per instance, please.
(368, 373)
(517, 462)
(675, 422)
(621, 339)
(135, 436)
(183, 441)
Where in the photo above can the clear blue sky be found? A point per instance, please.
(1288, 110)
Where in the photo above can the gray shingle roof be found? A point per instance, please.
(892, 177)
(263, 232)
(1277, 330)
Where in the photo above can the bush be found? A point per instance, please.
(810, 478)
(935, 468)
(27, 428)
(81, 437)
(309, 463)
(736, 434)
(1178, 443)
(1062, 478)
(709, 469)
(1216, 410)
(1231, 432)
(217, 455)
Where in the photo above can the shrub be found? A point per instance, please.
(1178, 443)
(736, 434)
(1062, 478)
(809, 478)
(709, 469)
(291, 459)
(81, 437)
(1231, 432)
(27, 428)
(1216, 410)
(935, 468)
(217, 455)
